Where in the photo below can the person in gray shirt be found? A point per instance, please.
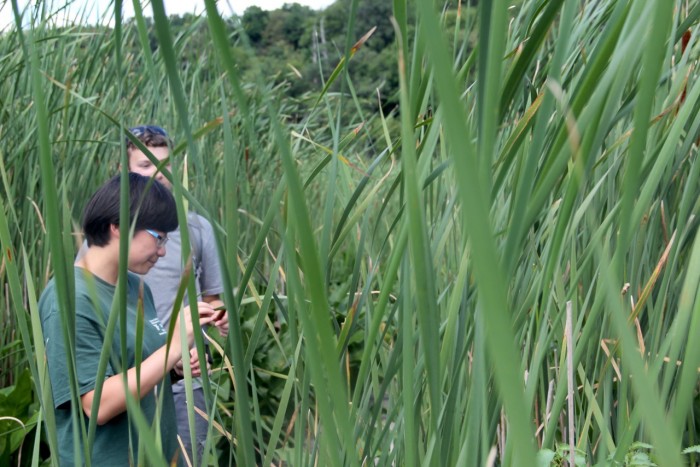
(164, 277)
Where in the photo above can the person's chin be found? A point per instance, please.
(143, 268)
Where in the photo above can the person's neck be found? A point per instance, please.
(101, 262)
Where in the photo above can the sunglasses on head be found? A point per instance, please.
(141, 130)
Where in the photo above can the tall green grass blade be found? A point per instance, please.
(421, 260)
(55, 233)
(485, 260)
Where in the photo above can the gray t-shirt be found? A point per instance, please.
(164, 278)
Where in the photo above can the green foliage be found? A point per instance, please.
(638, 454)
(288, 24)
(19, 415)
(560, 457)
(254, 22)
(692, 449)
(294, 42)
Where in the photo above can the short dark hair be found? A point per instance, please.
(151, 136)
(151, 206)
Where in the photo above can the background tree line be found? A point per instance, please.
(299, 47)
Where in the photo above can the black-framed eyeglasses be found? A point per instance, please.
(141, 130)
(160, 240)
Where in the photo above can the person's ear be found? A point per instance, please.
(114, 230)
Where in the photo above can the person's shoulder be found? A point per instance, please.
(196, 221)
(132, 278)
(135, 281)
(48, 295)
(50, 287)
(47, 300)
(137, 284)
(200, 229)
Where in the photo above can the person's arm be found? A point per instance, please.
(113, 396)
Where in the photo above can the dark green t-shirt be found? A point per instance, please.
(93, 302)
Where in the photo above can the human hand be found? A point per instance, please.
(206, 315)
(195, 366)
(221, 319)
(221, 322)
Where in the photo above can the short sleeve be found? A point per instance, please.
(210, 279)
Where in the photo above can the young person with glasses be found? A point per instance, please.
(116, 442)
(165, 277)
